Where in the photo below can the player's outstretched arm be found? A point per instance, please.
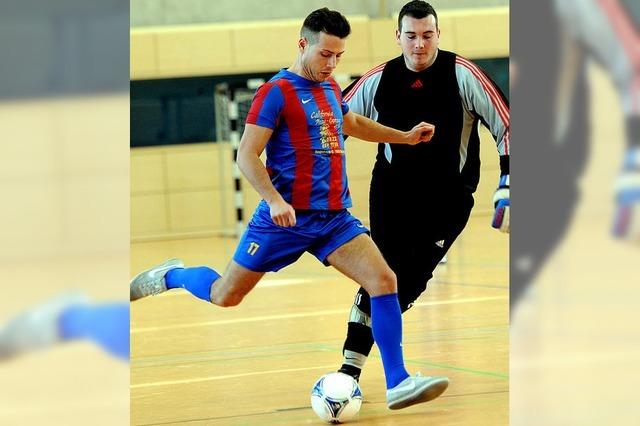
(366, 129)
(254, 140)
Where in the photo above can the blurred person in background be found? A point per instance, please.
(607, 31)
(551, 167)
(552, 96)
(575, 93)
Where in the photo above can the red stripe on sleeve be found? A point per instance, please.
(629, 38)
(330, 132)
(258, 101)
(360, 82)
(296, 121)
(621, 24)
(491, 91)
(488, 87)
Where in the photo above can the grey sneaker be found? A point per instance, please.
(37, 328)
(151, 281)
(416, 389)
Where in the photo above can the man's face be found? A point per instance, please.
(321, 58)
(418, 39)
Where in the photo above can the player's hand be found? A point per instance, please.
(282, 213)
(626, 222)
(501, 203)
(422, 132)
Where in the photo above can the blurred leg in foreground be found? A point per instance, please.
(65, 318)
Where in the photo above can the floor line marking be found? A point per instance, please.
(229, 376)
(301, 315)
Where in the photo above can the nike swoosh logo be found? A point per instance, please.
(306, 101)
(410, 386)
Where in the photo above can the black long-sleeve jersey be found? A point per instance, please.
(454, 94)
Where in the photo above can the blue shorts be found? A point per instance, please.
(267, 247)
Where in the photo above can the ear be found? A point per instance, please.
(302, 43)
(398, 37)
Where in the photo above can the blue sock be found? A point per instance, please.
(387, 331)
(197, 281)
(107, 325)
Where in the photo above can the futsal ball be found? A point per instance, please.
(336, 398)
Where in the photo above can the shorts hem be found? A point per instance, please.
(244, 265)
(340, 243)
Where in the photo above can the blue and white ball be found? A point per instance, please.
(336, 398)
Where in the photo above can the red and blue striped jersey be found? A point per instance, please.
(305, 154)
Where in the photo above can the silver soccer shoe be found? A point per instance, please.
(151, 281)
(416, 389)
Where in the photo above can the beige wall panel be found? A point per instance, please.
(250, 198)
(360, 157)
(195, 211)
(195, 168)
(147, 171)
(358, 45)
(38, 204)
(344, 71)
(224, 165)
(225, 219)
(383, 42)
(90, 220)
(359, 188)
(148, 215)
(266, 45)
(448, 39)
(143, 60)
(484, 34)
(40, 154)
(194, 50)
(90, 143)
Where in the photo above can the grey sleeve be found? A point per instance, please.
(481, 97)
(361, 96)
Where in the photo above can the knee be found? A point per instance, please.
(226, 299)
(386, 282)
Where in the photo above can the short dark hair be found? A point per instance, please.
(416, 9)
(327, 21)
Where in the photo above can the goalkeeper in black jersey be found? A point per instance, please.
(424, 191)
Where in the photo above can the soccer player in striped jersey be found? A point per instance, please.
(425, 191)
(299, 117)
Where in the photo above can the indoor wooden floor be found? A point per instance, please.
(195, 363)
